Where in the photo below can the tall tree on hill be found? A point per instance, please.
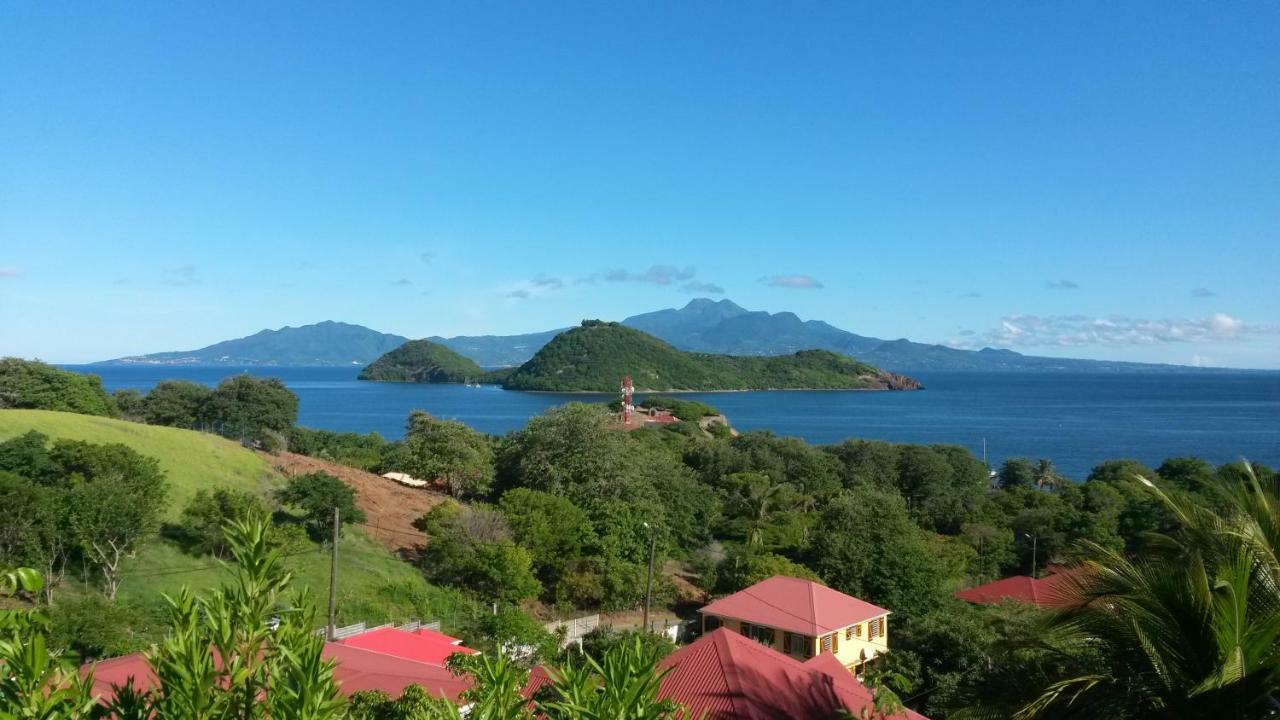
(175, 403)
(449, 451)
(247, 407)
(316, 495)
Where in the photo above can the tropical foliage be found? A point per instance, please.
(40, 386)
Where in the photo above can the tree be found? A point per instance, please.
(866, 545)
(113, 502)
(1046, 475)
(28, 455)
(1188, 629)
(551, 528)
(34, 528)
(744, 567)
(110, 516)
(208, 512)
(316, 495)
(37, 385)
(129, 404)
(176, 403)
(756, 502)
(1016, 472)
(471, 546)
(246, 407)
(449, 451)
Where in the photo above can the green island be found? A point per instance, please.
(595, 356)
(422, 361)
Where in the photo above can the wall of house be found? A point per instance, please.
(850, 647)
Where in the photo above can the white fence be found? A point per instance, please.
(574, 629)
(347, 631)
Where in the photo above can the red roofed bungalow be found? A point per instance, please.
(1045, 592)
(726, 675)
(355, 669)
(803, 619)
(422, 645)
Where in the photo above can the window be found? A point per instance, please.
(759, 633)
(826, 642)
(710, 622)
(798, 645)
(835, 642)
(875, 628)
(857, 630)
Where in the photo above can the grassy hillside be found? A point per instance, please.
(190, 460)
(595, 357)
(374, 585)
(422, 361)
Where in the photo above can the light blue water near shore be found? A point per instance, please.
(1077, 420)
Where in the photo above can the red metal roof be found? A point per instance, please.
(1045, 592)
(423, 645)
(795, 605)
(356, 669)
(726, 675)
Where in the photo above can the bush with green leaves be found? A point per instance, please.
(315, 495)
(200, 526)
(245, 407)
(176, 403)
(448, 451)
(470, 546)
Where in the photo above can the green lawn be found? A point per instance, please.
(191, 460)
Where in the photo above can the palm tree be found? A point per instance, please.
(1190, 629)
(1045, 474)
(757, 500)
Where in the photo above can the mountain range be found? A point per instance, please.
(703, 325)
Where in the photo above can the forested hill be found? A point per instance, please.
(422, 361)
(325, 343)
(595, 357)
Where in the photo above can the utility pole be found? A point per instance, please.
(648, 585)
(1034, 540)
(333, 580)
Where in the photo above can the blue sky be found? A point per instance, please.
(1077, 179)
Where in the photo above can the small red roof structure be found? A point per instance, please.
(726, 675)
(1045, 592)
(422, 645)
(356, 669)
(795, 605)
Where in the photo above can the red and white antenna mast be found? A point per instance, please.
(628, 390)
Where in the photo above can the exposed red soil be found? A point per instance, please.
(390, 507)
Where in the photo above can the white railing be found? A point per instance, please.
(574, 629)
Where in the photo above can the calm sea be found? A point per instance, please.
(1077, 420)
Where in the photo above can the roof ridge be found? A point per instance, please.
(731, 683)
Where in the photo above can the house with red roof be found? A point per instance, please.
(355, 669)
(725, 675)
(386, 658)
(1049, 591)
(422, 645)
(803, 619)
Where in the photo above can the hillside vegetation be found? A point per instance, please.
(422, 361)
(595, 357)
(374, 585)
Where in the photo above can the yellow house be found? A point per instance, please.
(802, 619)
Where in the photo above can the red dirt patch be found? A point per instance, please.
(389, 506)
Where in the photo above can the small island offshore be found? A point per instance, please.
(593, 356)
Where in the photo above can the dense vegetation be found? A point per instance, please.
(422, 361)
(1179, 615)
(595, 357)
(36, 385)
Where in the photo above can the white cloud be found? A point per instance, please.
(800, 282)
(655, 275)
(1203, 293)
(402, 282)
(9, 272)
(697, 286)
(1115, 330)
(1062, 284)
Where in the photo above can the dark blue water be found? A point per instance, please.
(1077, 420)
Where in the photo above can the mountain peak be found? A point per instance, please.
(705, 304)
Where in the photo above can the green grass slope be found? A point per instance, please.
(422, 361)
(374, 585)
(595, 357)
(191, 460)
